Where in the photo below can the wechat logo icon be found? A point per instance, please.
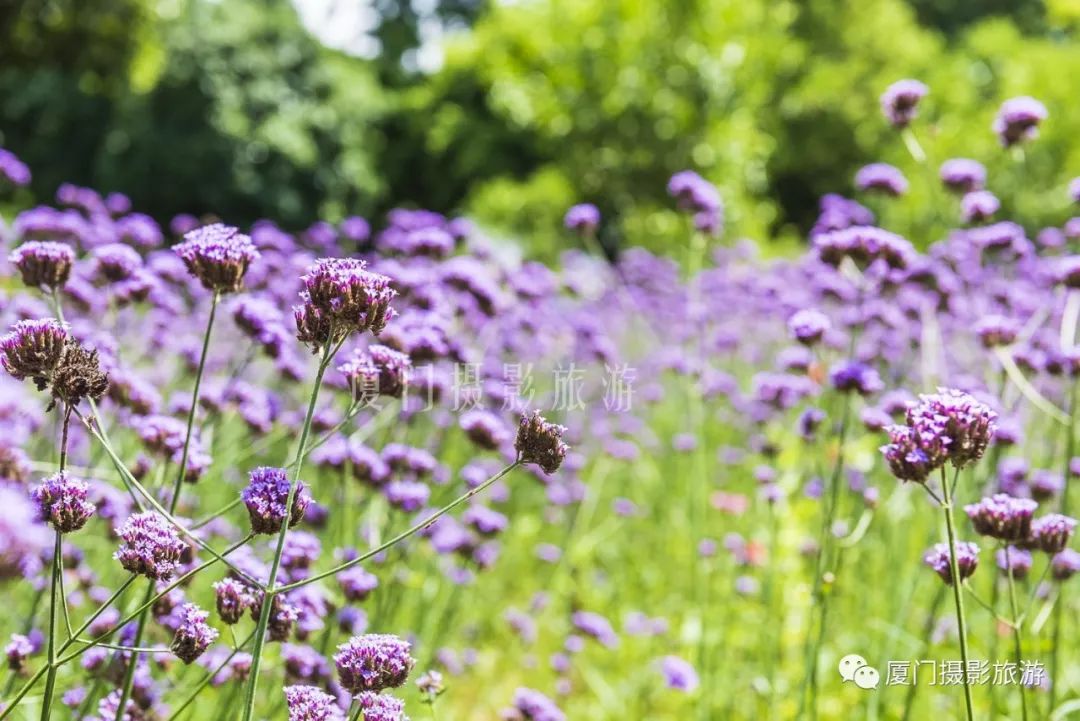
(853, 667)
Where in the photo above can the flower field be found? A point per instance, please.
(393, 469)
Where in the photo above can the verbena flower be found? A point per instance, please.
(373, 662)
(1065, 565)
(808, 326)
(1017, 562)
(431, 684)
(900, 101)
(377, 371)
(484, 428)
(62, 500)
(233, 598)
(531, 705)
(596, 626)
(962, 175)
(1002, 517)
(1051, 533)
(855, 377)
(964, 423)
(357, 584)
(978, 205)
(12, 169)
(77, 375)
(540, 442)
(265, 497)
(17, 651)
(151, 546)
(342, 297)
(309, 703)
(193, 636)
(1018, 120)
(864, 245)
(967, 559)
(881, 177)
(994, 331)
(381, 707)
(33, 348)
(43, 264)
(583, 218)
(218, 255)
(679, 674)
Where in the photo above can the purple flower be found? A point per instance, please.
(864, 244)
(678, 674)
(967, 558)
(381, 707)
(484, 520)
(218, 255)
(700, 197)
(540, 442)
(233, 599)
(1051, 533)
(484, 428)
(808, 326)
(308, 703)
(913, 456)
(596, 626)
(900, 101)
(13, 169)
(1065, 565)
(964, 424)
(1046, 484)
(881, 177)
(117, 262)
(1002, 517)
(341, 297)
(996, 330)
(1016, 559)
(356, 229)
(43, 264)
(357, 584)
(151, 546)
(978, 205)
(855, 377)
(33, 348)
(62, 501)
(1018, 120)
(17, 651)
(267, 493)
(193, 636)
(531, 705)
(373, 662)
(376, 371)
(962, 175)
(583, 218)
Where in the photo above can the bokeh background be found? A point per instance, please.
(511, 111)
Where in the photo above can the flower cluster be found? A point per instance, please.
(373, 662)
(43, 264)
(376, 371)
(540, 442)
(193, 635)
(342, 297)
(63, 502)
(967, 559)
(151, 546)
(266, 496)
(218, 255)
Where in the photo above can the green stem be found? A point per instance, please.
(819, 594)
(927, 631)
(401, 536)
(50, 679)
(1017, 642)
(208, 678)
(1059, 607)
(958, 596)
(267, 604)
(194, 405)
(129, 674)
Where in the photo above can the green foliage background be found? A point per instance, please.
(233, 108)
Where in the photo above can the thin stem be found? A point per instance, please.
(819, 594)
(9, 707)
(1059, 607)
(208, 678)
(927, 631)
(129, 674)
(64, 437)
(958, 596)
(50, 679)
(267, 604)
(1017, 642)
(401, 536)
(194, 405)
